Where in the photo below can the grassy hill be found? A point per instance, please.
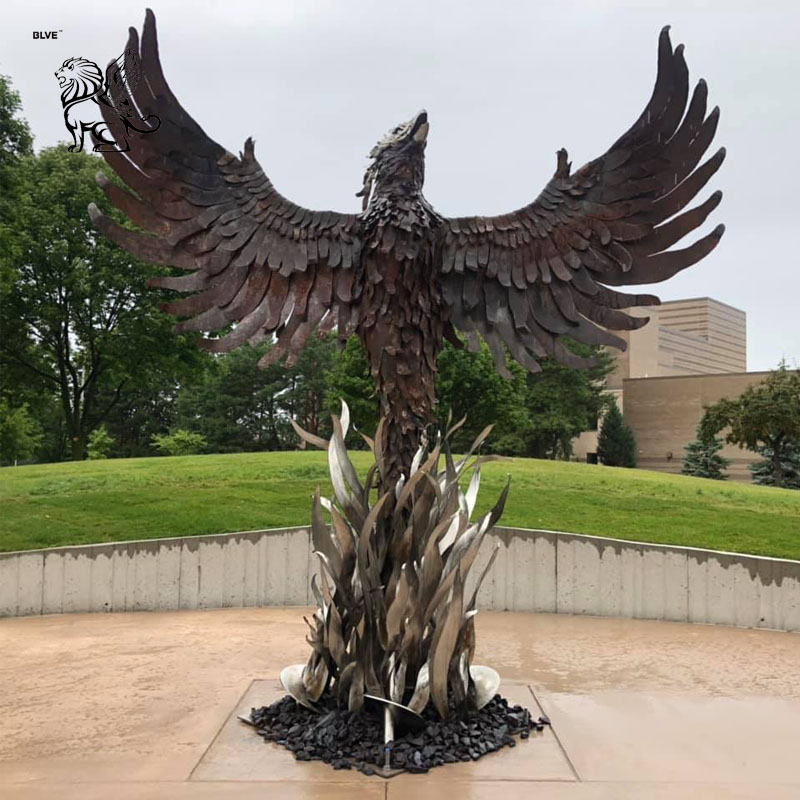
(115, 500)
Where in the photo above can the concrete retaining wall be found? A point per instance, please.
(534, 571)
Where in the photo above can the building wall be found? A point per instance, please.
(683, 337)
(697, 336)
(702, 335)
(664, 412)
(640, 360)
(682, 353)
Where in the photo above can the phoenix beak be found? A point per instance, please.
(420, 127)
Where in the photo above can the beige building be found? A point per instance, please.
(684, 337)
(690, 354)
(663, 414)
(701, 336)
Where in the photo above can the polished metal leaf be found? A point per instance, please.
(442, 646)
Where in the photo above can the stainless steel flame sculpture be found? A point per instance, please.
(395, 623)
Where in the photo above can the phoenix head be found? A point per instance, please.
(398, 160)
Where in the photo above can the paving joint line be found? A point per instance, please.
(219, 730)
(555, 735)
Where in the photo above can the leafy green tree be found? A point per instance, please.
(305, 397)
(101, 443)
(16, 139)
(468, 384)
(77, 316)
(235, 405)
(143, 412)
(180, 443)
(349, 379)
(19, 433)
(18, 388)
(562, 402)
(16, 142)
(766, 415)
(764, 471)
(616, 444)
(702, 458)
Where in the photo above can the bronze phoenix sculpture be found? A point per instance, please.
(399, 274)
(395, 619)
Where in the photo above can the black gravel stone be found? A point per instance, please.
(355, 741)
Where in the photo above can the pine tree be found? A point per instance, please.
(616, 444)
(702, 459)
(764, 471)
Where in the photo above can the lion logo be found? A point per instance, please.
(83, 91)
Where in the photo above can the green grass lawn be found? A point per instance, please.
(103, 501)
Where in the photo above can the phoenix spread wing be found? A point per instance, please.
(257, 260)
(527, 278)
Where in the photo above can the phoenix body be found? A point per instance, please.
(399, 274)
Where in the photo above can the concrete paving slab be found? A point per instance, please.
(525, 790)
(239, 754)
(86, 769)
(538, 759)
(637, 736)
(194, 791)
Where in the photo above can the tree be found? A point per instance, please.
(76, 316)
(468, 384)
(766, 415)
(702, 459)
(235, 405)
(563, 402)
(616, 444)
(305, 398)
(764, 471)
(180, 443)
(19, 433)
(143, 412)
(16, 142)
(101, 443)
(15, 135)
(349, 379)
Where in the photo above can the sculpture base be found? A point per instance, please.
(348, 740)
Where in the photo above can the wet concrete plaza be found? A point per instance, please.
(143, 705)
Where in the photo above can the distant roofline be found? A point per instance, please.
(710, 299)
(697, 375)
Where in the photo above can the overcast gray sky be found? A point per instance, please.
(317, 82)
